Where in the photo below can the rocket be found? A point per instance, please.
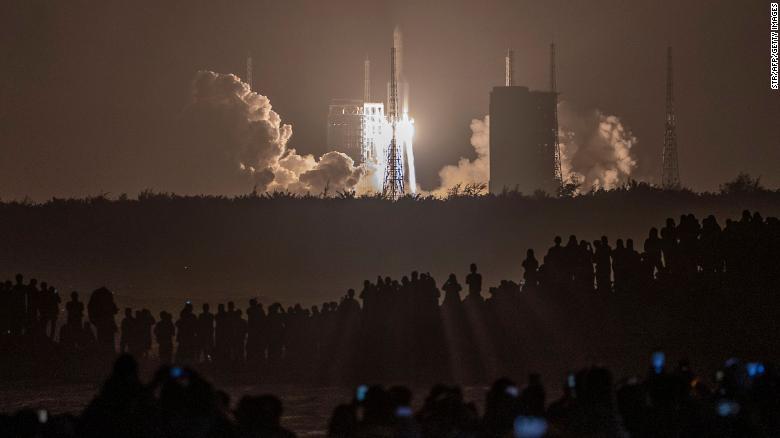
(403, 86)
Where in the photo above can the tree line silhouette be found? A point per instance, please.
(159, 249)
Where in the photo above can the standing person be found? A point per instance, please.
(669, 246)
(186, 334)
(240, 332)
(620, 265)
(275, 334)
(31, 298)
(232, 326)
(127, 326)
(49, 309)
(451, 289)
(163, 333)
(652, 248)
(583, 273)
(70, 333)
(554, 264)
(349, 306)
(17, 306)
(603, 256)
(531, 274)
(146, 323)
(255, 315)
(474, 280)
(205, 333)
(102, 309)
(221, 334)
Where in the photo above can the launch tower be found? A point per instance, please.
(393, 186)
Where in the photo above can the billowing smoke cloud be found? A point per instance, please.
(595, 149)
(469, 171)
(235, 142)
(595, 152)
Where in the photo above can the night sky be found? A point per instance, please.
(90, 91)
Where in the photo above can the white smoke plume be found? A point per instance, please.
(467, 171)
(595, 149)
(236, 143)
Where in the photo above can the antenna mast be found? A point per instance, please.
(366, 80)
(670, 177)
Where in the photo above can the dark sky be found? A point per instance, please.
(89, 91)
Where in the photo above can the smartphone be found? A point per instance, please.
(512, 391)
(360, 393)
(658, 360)
(530, 427)
(754, 369)
(43, 416)
(176, 372)
(403, 412)
(727, 408)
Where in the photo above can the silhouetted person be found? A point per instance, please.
(255, 316)
(32, 300)
(127, 327)
(75, 309)
(653, 248)
(101, 309)
(239, 336)
(205, 333)
(474, 280)
(275, 333)
(633, 265)
(532, 397)
(186, 335)
(18, 307)
(5, 307)
(49, 311)
(86, 337)
(569, 259)
(349, 305)
(451, 289)
(531, 273)
(669, 246)
(603, 259)
(584, 275)
(123, 408)
(501, 408)
(368, 295)
(70, 332)
(164, 331)
(620, 266)
(221, 332)
(145, 326)
(711, 247)
(554, 264)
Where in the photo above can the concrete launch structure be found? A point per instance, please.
(345, 126)
(523, 139)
